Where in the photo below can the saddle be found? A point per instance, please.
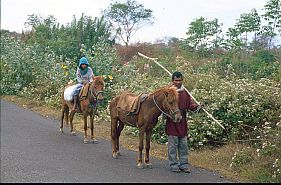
(84, 91)
(130, 102)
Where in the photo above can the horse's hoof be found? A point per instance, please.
(86, 141)
(114, 155)
(61, 130)
(148, 165)
(95, 141)
(118, 153)
(73, 133)
(140, 165)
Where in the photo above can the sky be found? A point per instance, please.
(172, 17)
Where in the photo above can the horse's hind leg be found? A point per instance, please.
(63, 112)
(67, 116)
(71, 123)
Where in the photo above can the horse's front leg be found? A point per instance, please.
(141, 136)
(67, 116)
(85, 116)
(114, 122)
(120, 127)
(147, 148)
(92, 116)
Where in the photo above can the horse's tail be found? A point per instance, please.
(113, 106)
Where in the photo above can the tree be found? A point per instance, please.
(233, 41)
(249, 22)
(273, 18)
(33, 20)
(203, 34)
(127, 18)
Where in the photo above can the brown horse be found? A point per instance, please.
(164, 101)
(88, 106)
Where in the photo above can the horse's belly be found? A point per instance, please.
(128, 120)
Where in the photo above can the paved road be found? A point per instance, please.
(33, 150)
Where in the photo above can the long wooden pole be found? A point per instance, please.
(155, 61)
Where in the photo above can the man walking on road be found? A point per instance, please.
(177, 139)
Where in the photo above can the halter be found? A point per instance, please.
(95, 95)
(168, 115)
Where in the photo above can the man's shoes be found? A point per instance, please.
(185, 170)
(177, 170)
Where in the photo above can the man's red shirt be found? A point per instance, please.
(185, 103)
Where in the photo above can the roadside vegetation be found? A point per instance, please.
(236, 76)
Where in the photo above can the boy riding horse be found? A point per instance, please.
(84, 75)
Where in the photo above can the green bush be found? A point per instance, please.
(265, 56)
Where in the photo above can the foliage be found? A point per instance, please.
(203, 35)
(26, 66)
(248, 23)
(66, 41)
(262, 159)
(265, 56)
(240, 158)
(263, 64)
(273, 18)
(127, 18)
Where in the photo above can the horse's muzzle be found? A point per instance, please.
(100, 96)
(177, 116)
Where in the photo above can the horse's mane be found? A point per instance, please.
(98, 80)
(167, 90)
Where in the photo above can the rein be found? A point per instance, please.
(95, 95)
(168, 115)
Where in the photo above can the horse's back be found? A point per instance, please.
(116, 100)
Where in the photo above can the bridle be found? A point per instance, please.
(93, 93)
(166, 114)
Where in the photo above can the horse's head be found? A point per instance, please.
(170, 103)
(96, 88)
